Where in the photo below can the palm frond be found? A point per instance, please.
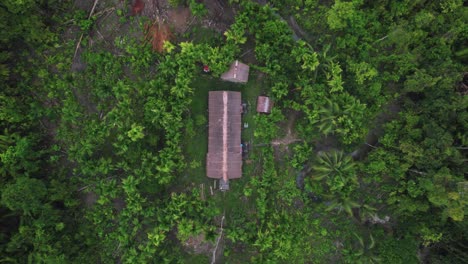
(372, 242)
(318, 177)
(359, 239)
(332, 206)
(347, 208)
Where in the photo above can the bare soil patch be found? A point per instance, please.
(198, 244)
(290, 136)
(89, 198)
(156, 34)
(281, 145)
(220, 15)
(155, 9)
(179, 18)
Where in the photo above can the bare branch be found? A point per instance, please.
(418, 172)
(213, 259)
(81, 37)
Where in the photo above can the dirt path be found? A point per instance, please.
(281, 145)
(290, 136)
(285, 141)
(155, 9)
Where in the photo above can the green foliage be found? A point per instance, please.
(344, 203)
(343, 14)
(236, 33)
(81, 20)
(334, 164)
(219, 58)
(362, 250)
(364, 72)
(23, 23)
(25, 195)
(265, 130)
(334, 78)
(197, 9)
(200, 120)
(280, 89)
(343, 116)
(392, 250)
(302, 153)
(185, 229)
(20, 158)
(278, 227)
(305, 56)
(114, 133)
(136, 132)
(175, 3)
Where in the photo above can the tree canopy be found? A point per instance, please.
(103, 139)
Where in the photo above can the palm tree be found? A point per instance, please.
(362, 251)
(343, 204)
(366, 212)
(333, 163)
(333, 116)
(347, 204)
(328, 116)
(338, 170)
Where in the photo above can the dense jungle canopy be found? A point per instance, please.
(103, 131)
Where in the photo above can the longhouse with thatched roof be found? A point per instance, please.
(224, 158)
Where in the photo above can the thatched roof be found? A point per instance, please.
(224, 158)
(264, 104)
(238, 72)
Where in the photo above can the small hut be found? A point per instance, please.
(238, 73)
(264, 104)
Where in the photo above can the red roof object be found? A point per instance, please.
(224, 158)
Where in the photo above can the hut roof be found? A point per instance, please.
(264, 104)
(224, 158)
(238, 72)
